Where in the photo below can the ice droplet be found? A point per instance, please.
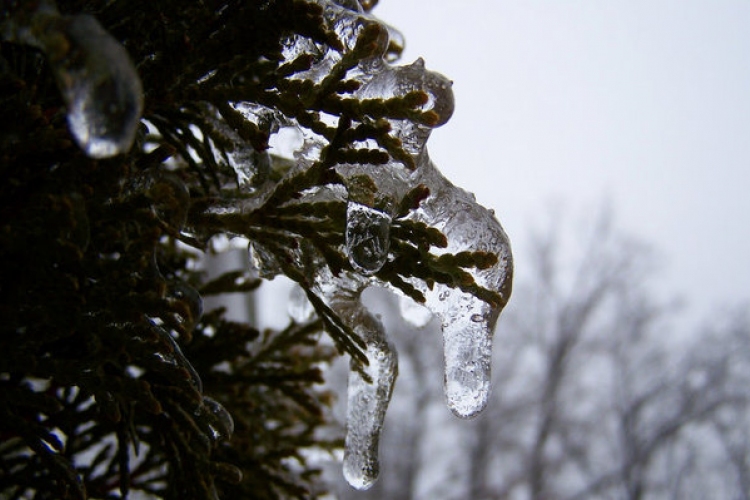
(101, 88)
(218, 419)
(367, 237)
(94, 73)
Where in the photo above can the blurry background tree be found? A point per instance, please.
(139, 136)
(600, 391)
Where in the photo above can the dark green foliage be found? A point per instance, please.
(109, 371)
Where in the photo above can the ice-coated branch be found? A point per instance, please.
(359, 203)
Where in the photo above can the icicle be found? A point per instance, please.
(365, 413)
(367, 401)
(97, 80)
(468, 322)
(367, 237)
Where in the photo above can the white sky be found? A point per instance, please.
(644, 104)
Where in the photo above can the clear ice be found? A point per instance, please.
(97, 80)
(367, 237)
(299, 307)
(367, 400)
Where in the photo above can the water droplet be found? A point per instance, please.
(367, 237)
(368, 395)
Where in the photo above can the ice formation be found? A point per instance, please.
(407, 227)
(368, 393)
(97, 80)
(469, 263)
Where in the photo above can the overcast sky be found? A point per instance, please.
(644, 104)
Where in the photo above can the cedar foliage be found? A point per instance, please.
(111, 379)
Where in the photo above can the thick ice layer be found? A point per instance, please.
(399, 81)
